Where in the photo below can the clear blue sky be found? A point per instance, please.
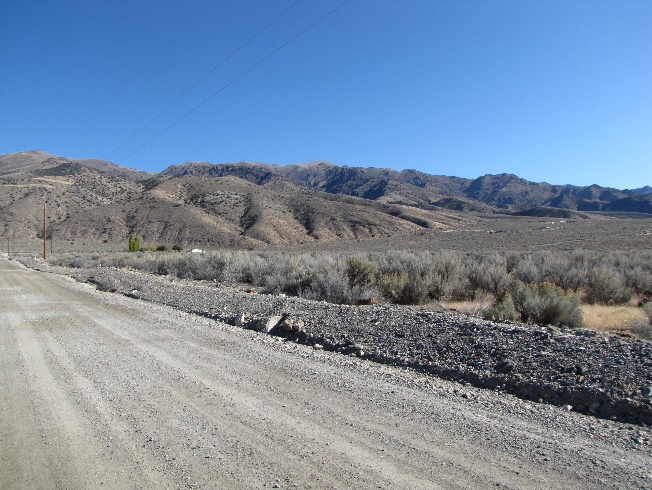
(551, 90)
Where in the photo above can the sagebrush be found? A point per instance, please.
(535, 286)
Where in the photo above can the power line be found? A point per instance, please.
(227, 85)
(202, 79)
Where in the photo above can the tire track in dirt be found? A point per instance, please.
(251, 412)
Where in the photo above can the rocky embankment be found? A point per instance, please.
(582, 370)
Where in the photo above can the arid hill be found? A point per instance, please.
(503, 193)
(218, 205)
(253, 204)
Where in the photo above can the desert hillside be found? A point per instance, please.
(255, 204)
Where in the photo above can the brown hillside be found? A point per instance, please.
(200, 204)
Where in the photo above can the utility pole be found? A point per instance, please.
(45, 240)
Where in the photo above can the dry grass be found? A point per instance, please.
(476, 308)
(597, 317)
(601, 317)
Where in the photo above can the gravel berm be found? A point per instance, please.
(592, 372)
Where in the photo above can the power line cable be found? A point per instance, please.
(227, 85)
(202, 78)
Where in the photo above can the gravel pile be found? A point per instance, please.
(582, 370)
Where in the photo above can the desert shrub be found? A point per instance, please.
(291, 277)
(638, 279)
(163, 266)
(189, 266)
(177, 248)
(526, 270)
(545, 304)
(446, 279)
(569, 273)
(488, 274)
(252, 268)
(310, 276)
(503, 310)
(162, 248)
(647, 308)
(138, 261)
(643, 328)
(217, 266)
(396, 261)
(403, 288)
(361, 275)
(606, 287)
(210, 266)
(328, 285)
(80, 262)
(416, 291)
(117, 260)
(275, 284)
(573, 279)
(512, 260)
(392, 285)
(403, 277)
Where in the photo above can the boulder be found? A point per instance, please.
(267, 324)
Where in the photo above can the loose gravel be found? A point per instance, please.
(591, 372)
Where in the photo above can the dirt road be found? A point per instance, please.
(103, 391)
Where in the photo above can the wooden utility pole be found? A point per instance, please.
(45, 240)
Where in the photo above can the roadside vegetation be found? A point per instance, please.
(643, 327)
(539, 287)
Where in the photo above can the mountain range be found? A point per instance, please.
(251, 204)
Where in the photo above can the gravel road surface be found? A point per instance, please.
(98, 390)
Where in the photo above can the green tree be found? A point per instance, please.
(134, 243)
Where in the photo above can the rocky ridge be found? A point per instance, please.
(582, 370)
(94, 204)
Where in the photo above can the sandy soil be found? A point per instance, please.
(102, 391)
